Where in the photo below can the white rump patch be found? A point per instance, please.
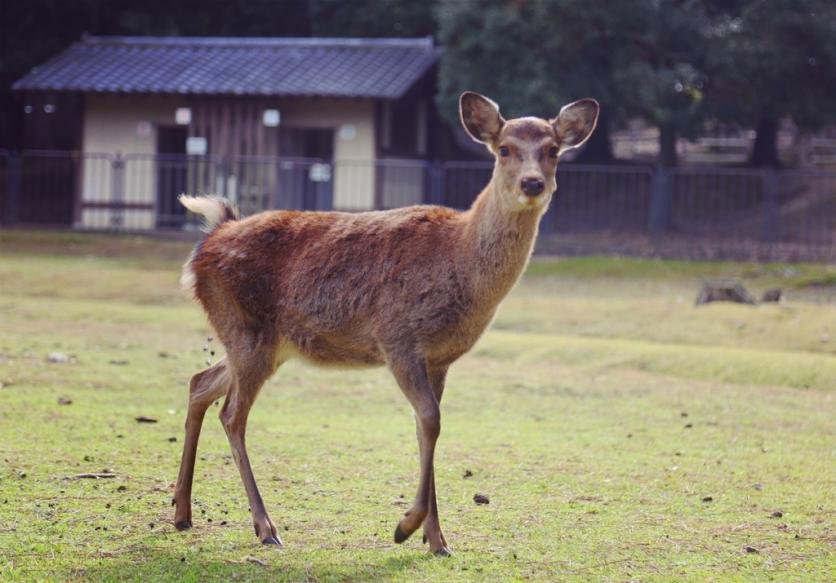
(187, 278)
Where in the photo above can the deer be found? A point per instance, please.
(411, 289)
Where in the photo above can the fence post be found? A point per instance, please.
(14, 180)
(435, 183)
(660, 196)
(117, 191)
(771, 207)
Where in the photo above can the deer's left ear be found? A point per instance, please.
(575, 123)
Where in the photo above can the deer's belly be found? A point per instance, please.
(328, 351)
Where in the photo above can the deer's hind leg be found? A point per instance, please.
(250, 369)
(204, 388)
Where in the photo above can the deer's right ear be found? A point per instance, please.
(480, 117)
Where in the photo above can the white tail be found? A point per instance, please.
(214, 210)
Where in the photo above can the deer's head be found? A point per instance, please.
(526, 148)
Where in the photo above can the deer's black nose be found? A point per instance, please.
(532, 186)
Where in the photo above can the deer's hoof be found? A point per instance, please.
(183, 525)
(400, 535)
(443, 552)
(272, 540)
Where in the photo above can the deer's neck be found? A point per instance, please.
(498, 244)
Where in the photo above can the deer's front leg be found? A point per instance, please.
(413, 378)
(432, 526)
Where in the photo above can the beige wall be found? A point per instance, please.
(111, 125)
(114, 124)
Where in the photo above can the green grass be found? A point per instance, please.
(598, 415)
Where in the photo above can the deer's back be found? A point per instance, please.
(342, 288)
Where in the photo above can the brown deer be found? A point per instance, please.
(411, 288)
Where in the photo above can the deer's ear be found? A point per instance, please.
(575, 123)
(480, 117)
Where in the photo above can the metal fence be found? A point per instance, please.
(734, 211)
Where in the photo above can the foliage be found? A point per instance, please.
(372, 18)
(640, 59)
(775, 59)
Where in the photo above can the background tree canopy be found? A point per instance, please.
(672, 63)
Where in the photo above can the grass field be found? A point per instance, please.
(620, 432)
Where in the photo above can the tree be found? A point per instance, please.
(772, 60)
(372, 18)
(640, 59)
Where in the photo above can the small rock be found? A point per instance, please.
(21, 474)
(481, 499)
(65, 401)
(708, 499)
(772, 295)
(57, 358)
(467, 474)
(777, 514)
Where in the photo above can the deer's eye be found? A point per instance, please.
(553, 152)
(504, 151)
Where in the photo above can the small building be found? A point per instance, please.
(305, 123)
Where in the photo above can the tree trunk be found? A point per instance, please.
(765, 151)
(598, 150)
(667, 146)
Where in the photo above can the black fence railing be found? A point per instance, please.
(705, 207)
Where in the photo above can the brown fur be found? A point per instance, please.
(411, 288)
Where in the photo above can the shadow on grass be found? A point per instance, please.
(163, 565)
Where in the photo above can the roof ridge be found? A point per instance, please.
(278, 41)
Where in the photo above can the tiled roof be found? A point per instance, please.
(381, 68)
